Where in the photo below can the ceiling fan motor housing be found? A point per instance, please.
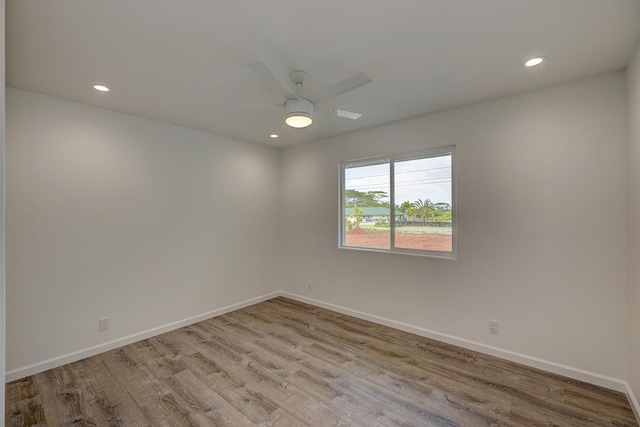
(298, 107)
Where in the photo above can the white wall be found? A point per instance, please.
(541, 189)
(633, 85)
(2, 206)
(148, 223)
(114, 215)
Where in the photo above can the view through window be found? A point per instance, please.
(400, 203)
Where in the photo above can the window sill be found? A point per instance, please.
(452, 256)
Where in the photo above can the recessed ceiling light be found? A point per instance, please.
(532, 62)
(101, 88)
(273, 135)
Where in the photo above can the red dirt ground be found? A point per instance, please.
(433, 242)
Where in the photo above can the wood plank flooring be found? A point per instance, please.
(284, 363)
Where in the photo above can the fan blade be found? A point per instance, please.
(346, 85)
(261, 69)
(250, 105)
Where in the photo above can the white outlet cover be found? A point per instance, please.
(103, 324)
(494, 327)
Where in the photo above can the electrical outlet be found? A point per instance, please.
(309, 285)
(494, 327)
(103, 323)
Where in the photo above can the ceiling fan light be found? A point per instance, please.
(298, 120)
(298, 113)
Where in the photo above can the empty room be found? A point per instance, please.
(296, 213)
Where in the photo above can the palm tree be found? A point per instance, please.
(409, 210)
(425, 208)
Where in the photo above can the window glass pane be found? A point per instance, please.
(423, 197)
(367, 206)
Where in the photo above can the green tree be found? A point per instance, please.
(409, 209)
(444, 217)
(355, 218)
(425, 208)
(442, 206)
(365, 198)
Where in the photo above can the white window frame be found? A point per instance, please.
(391, 159)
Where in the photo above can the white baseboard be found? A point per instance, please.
(632, 401)
(568, 371)
(25, 371)
(534, 362)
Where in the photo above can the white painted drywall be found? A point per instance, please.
(2, 207)
(541, 191)
(633, 88)
(148, 223)
(111, 215)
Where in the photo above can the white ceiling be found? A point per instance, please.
(184, 62)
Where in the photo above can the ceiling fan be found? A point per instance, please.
(299, 108)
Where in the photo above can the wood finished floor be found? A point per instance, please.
(284, 363)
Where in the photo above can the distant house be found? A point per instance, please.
(375, 214)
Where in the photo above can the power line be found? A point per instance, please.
(403, 184)
(399, 173)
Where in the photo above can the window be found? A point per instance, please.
(401, 203)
